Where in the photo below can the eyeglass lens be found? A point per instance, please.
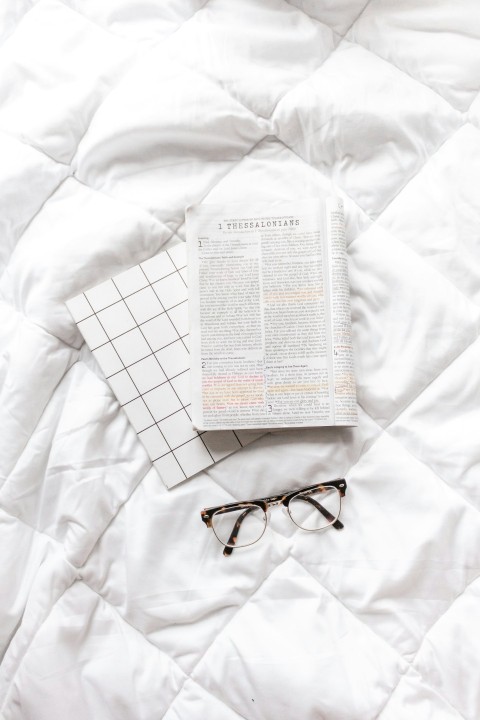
(315, 510)
(239, 527)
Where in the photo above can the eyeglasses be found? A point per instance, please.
(313, 508)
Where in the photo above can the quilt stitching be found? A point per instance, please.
(28, 319)
(443, 698)
(115, 198)
(412, 77)
(120, 80)
(237, 610)
(356, 619)
(87, 20)
(420, 82)
(377, 220)
(123, 619)
(271, 134)
(427, 684)
(19, 138)
(19, 19)
(457, 597)
(95, 541)
(209, 692)
(392, 693)
(26, 228)
(142, 210)
(69, 366)
(8, 689)
(312, 17)
(390, 62)
(234, 99)
(435, 472)
(410, 664)
(42, 150)
(384, 429)
(123, 37)
(350, 612)
(419, 169)
(417, 396)
(437, 619)
(347, 608)
(114, 609)
(118, 83)
(403, 409)
(190, 674)
(272, 529)
(32, 528)
(450, 487)
(215, 79)
(230, 169)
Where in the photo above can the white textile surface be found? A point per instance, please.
(115, 601)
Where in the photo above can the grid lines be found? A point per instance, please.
(136, 325)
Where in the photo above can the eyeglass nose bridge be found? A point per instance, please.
(275, 501)
(268, 510)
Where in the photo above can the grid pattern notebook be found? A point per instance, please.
(136, 325)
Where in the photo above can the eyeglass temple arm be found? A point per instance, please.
(227, 550)
(326, 514)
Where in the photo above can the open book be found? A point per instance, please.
(270, 316)
(136, 325)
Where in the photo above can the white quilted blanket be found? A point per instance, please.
(115, 601)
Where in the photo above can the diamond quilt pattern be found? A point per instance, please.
(114, 601)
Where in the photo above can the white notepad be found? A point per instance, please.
(136, 325)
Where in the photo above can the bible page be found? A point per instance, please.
(261, 331)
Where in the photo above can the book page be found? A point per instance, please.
(344, 390)
(261, 332)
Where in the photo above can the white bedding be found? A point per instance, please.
(115, 600)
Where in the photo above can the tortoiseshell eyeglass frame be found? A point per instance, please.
(265, 503)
